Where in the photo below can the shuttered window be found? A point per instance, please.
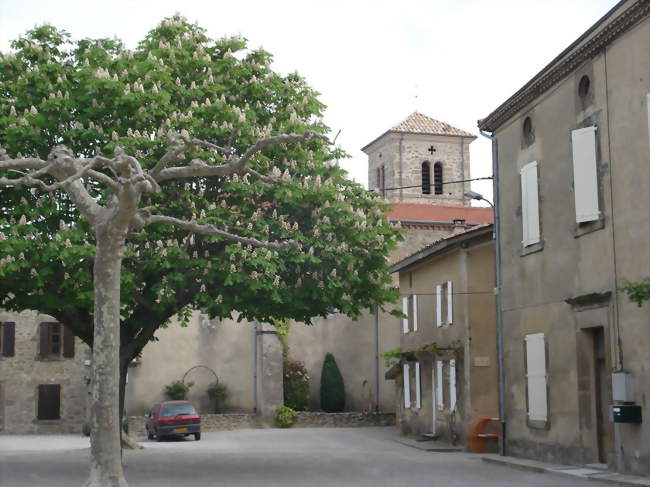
(49, 401)
(414, 311)
(407, 386)
(405, 310)
(438, 305)
(426, 178)
(450, 303)
(437, 178)
(440, 399)
(585, 174)
(55, 340)
(418, 390)
(529, 205)
(8, 339)
(536, 377)
(452, 385)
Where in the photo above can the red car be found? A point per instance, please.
(173, 418)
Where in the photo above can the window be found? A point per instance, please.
(381, 180)
(440, 398)
(7, 339)
(407, 385)
(412, 387)
(410, 309)
(444, 304)
(55, 339)
(536, 395)
(452, 385)
(49, 401)
(437, 178)
(426, 178)
(527, 132)
(583, 87)
(529, 205)
(585, 174)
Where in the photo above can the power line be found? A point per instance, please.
(419, 185)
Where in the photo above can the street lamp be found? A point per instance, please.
(499, 323)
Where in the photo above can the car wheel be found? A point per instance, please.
(197, 436)
(149, 434)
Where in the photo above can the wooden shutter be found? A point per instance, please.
(405, 310)
(585, 174)
(418, 391)
(440, 399)
(49, 401)
(8, 339)
(536, 377)
(44, 342)
(415, 312)
(450, 303)
(529, 204)
(439, 305)
(407, 386)
(452, 385)
(68, 342)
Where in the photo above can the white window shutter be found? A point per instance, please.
(440, 399)
(415, 312)
(450, 303)
(452, 385)
(536, 375)
(418, 392)
(438, 305)
(529, 204)
(407, 386)
(405, 310)
(585, 174)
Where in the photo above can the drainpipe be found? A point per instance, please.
(401, 183)
(255, 334)
(497, 289)
(377, 358)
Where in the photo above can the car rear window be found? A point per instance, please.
(176, 409)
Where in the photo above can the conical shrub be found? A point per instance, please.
(332, 389)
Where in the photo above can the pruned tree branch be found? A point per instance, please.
(199, 168)
(207, 229)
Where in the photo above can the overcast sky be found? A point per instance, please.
(373, 61)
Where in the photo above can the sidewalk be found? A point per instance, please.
(584, 472)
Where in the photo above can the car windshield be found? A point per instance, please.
(177, 409)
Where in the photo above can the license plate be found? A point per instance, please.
(179, 430)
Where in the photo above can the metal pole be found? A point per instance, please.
(497, 290)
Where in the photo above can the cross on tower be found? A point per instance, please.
(432, 149)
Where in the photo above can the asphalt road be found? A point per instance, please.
(314, 457)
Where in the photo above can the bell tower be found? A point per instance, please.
(418, 160)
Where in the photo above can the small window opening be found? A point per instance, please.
(426, 178)
(437, 177)
(527, 131)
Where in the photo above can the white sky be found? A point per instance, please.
(367, 58)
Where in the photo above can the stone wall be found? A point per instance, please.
(343, 420)
(21, 375)
(225, 422)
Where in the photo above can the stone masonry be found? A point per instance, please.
(21, 375)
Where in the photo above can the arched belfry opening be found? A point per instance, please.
(437, 177)
(426, 178)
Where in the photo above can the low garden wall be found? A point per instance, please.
(223, 422)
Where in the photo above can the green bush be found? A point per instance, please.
(332, 389)
(219, 394)
(296, 385)
(284, 416)
(177, 390)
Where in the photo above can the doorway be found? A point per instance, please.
(601, 393)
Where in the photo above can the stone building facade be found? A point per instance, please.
(573, 156)
(43, 376)
(416, 160)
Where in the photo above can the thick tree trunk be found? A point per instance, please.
(106, 463)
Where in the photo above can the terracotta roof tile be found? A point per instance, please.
(439, 213)
(419, 123)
